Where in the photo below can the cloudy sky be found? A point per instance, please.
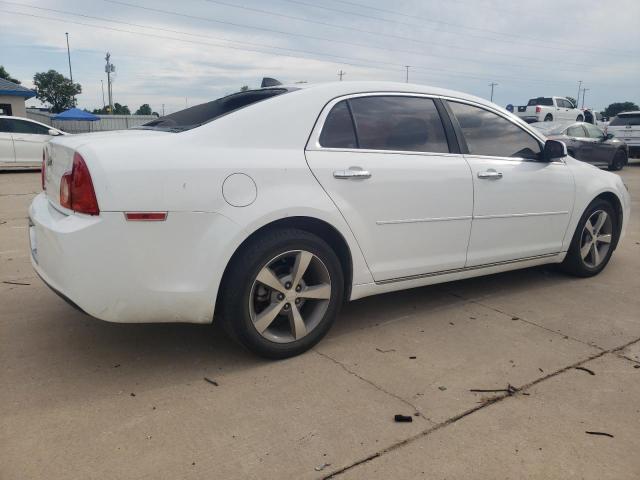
(186, 52)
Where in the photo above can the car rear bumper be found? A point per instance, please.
(530, 118)
(132, 272)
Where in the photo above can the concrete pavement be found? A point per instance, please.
(86, 399)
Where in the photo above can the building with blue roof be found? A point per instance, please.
(12, 98)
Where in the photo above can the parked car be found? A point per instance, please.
(21, 141)
(268, 208)
(588, 143)
(626, 127)
(548, 109)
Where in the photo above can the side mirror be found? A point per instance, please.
(608, 136)
(553, 149)
(53, 133)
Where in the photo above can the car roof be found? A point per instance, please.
(634, 112)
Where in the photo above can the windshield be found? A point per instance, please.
(206, 112)
(547, 102)
(632, 119)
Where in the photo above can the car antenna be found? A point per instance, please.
(269, 82)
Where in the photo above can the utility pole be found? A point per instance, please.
(579, 88)
(492, 84)
(584, 92)
(69, 57)
(109, 68)
(341, 74)
(103, 104)
(406, 78)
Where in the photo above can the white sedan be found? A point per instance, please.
(22, 140)
(270, 207)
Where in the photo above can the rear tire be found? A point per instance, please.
(580, 118)
(593, 241)
(619, 160)
(264, 310)
(548, 118)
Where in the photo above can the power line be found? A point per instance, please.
(366, 63)
(518, 37)
(378, 33)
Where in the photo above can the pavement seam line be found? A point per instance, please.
(495, 309)
(374, 385)
(466, 413)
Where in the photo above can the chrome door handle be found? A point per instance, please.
(490, 175)
(352, 172)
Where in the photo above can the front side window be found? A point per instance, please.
(575, 131)
(338, 130)
(593, 131)
(5, 126)
(398, 123)
(489, 134)
(22, 126)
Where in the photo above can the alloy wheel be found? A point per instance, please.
(595, 241)
(290, 296)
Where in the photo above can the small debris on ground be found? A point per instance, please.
(9, 282)
(133, 394)
(319, 468)
(386, 351)
(541, 370)
(212, 382)
(584, 369)
(442, 388)
(403, 418)
(510, 390)
(117, 365)
(603, 434)
(515, 318)
(412, 357)
(636, 366)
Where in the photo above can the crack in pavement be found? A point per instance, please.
(492, 401)
(373, 384)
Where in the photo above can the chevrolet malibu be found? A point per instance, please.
(269, 208)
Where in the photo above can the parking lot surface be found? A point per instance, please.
(82, 398)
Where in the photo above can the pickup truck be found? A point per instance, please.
(548, 109)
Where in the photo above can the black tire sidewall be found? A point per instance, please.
(573, 263)
(242, 273)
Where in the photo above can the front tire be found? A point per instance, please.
(282, 293)
(593, 241)
(580, 118)
(618, 161)
(548, 118)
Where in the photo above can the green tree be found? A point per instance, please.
(144, 109)
(4, 74)
(121, 109)
(54, 88)
(615, 108)
(572, 100)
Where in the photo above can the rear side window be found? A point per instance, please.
(624, 120)
(489, 134)
(576, 131)
(22, 126)
(338, 130)
(547, 102)
(398, 123)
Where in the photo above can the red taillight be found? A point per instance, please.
(76, 189)
(538, 109)
(42, 169)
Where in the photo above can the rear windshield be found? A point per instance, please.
(624, 120)
(193, 117)
(546, 101)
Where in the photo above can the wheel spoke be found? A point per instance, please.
(303, 259)
(595, 254)
(589, 227)
(267, 316)
(604, 238)
(267, 277)
(317, 292)
(584, 251)
(298, 328)
(602, 217)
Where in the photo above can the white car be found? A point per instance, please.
(271, 207)
(626, 127)
(549, 109)
(22, 140)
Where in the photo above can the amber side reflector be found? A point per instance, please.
(145, 216)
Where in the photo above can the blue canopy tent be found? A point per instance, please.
(76, 114)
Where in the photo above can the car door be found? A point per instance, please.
(579, 145)
(521, 204)
(28, 140)
(7, 154)
(392, 166)
(602, 152)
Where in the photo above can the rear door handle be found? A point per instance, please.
(490, 175)
(352, 172)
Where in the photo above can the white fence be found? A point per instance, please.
(106, 122)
